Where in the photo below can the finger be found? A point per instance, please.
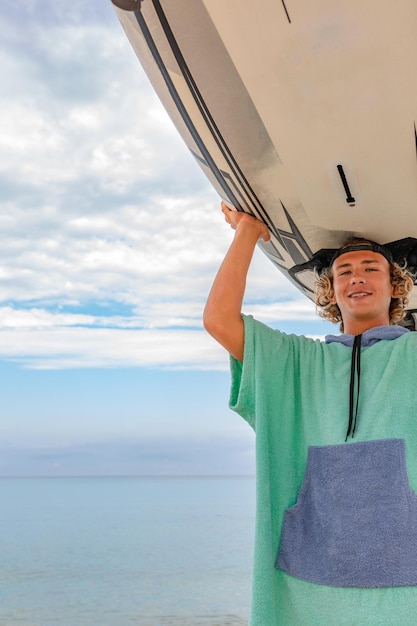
(226, 210)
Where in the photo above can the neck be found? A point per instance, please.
(358, 327)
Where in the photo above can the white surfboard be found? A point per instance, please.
(301, 113)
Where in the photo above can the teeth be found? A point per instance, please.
(359, 295)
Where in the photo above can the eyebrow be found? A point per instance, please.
(364, 262)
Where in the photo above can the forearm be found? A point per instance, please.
(222, 315)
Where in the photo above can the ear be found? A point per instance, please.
(332, 298)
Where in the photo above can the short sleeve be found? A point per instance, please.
(261, 348)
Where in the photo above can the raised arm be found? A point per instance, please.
(222, 315)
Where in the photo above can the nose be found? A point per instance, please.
(357, 276)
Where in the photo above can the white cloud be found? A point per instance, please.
(65, 347)
(39, 319)
(42, 340)
(102, 205)
(284, 311)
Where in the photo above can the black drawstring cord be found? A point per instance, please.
(355, 368)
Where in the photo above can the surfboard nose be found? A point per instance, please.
(128, 5)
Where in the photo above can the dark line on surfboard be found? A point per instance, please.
(239, 192)
(205, 112)
(349, 198)
(209, 161)
(295, 233)
(251, 195)
(283, 236)
(415, 134)
(242, 201)
(286, 11)
(176, 98)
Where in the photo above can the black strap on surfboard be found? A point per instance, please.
(402, 251)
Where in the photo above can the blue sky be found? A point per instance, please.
(111, 236)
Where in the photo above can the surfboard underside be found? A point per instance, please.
(301, 114)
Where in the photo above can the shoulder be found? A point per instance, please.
(408, 341)
(259, 332)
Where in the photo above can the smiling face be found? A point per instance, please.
(362, 290)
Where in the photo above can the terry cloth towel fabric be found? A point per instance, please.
(365, 340)
(355, 522)
(369, 337)
(293, 391)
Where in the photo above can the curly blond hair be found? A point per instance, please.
(401, 279)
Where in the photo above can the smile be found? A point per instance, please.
(359, 294)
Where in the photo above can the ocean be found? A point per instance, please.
(148, 551)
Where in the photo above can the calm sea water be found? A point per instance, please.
(126, 551)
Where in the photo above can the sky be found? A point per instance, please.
(110, 239)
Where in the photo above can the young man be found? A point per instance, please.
(336, 441)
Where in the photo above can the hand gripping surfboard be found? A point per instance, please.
(302, 114)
